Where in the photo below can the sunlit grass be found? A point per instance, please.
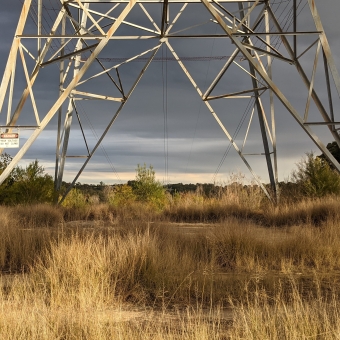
(267, 273)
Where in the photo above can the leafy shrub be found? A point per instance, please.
(28, 185)
(146, 188)
(316, 177)
(334, 150)
(5, 159)
(121, 195)
(75, 199)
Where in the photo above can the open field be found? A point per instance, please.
(195, 270)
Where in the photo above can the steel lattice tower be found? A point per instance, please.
(82, 31)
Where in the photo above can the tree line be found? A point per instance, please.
(313, 177)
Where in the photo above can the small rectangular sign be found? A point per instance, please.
(9, 140)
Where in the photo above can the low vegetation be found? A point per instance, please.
(76, 279)
(141, 263)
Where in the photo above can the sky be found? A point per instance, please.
(165, 123)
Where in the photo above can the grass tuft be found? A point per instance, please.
(259, 272)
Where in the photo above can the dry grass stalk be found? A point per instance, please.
(78, 279)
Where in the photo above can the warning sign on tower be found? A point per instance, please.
(9, 140)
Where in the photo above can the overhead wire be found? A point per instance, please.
(166, 58)
(101, 145)
(277, 43)
(54, 46)
(261, 27)
(34, 15)
(165, 114)
(189, 58)
(201, 103)
(238, 128)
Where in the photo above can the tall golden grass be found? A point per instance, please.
(300, 317)
(261, 272)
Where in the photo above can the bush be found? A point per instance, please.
(146, 188)
(28, 185)
(316, 177)
(120, 195)
(75, 199)
(5, 159)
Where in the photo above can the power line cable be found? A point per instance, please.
(288, 20)
(238, 128)
(101, 145)
(201, 102)
(165, 112)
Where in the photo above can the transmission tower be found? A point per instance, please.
(66, 45)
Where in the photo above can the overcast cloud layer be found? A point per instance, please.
(195, 142)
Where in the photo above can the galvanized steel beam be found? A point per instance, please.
(238, 29)
(110, 124)
(272, 85)
(67, 91)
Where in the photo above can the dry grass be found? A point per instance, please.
(235, 200)
(26, 320)
(36, 216)
(193, 208)
(22, 240)
(123, 215)
(25, 314)
(308, 211)
(138, 275)
(302, 317)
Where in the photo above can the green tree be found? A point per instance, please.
(5, 159)
(27, 185)
(146, 188)
(316, 177)
(334, 150)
